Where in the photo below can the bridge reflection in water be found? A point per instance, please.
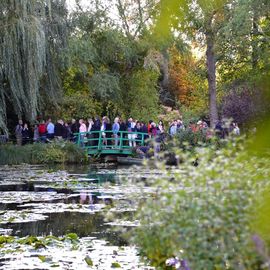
(105, 142)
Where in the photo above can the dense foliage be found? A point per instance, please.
(39, 153)
(32, 36)
(204, 214)
(244, 103)
(155, 51)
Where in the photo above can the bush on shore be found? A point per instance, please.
(203, 215)
(55, 152)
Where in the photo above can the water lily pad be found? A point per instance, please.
(89, 261)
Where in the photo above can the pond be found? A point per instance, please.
(70, 218)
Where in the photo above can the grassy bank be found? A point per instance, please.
(56, 152)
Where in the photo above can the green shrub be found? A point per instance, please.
(10, 154)
(203, 214)
(187, 137)
(55, 152)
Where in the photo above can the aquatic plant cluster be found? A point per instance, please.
(205, 214)
(68, 219)
(67, 252)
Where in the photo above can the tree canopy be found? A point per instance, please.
(117, 56)
(33, 32)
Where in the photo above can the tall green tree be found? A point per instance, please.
(135, 16)
(107, 62)
(200, 21)
(243, 59)
(32, 35)
(243, 43)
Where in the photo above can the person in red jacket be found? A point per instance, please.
(42, 131)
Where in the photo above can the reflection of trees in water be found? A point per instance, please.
(102, 177)
(59, 224)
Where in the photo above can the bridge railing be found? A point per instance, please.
(104, 141)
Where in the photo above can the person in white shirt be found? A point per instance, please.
(103, 129)
(131, 137)
(50, 129)
(90, 124)
(115, 129)
(82, 131)
(236, 129)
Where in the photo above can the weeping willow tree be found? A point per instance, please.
(32, 34)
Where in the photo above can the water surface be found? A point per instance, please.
(92, 202)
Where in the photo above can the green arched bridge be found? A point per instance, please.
(104, 143)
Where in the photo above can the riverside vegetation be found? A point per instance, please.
(210, 216)
(39, 153)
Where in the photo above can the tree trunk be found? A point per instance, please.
(165, 95)
(165, 69)
(211, 77)
(254, 36)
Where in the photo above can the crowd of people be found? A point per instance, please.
(47, 131)
(134, 130)
(222, 128)
(43, 131)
